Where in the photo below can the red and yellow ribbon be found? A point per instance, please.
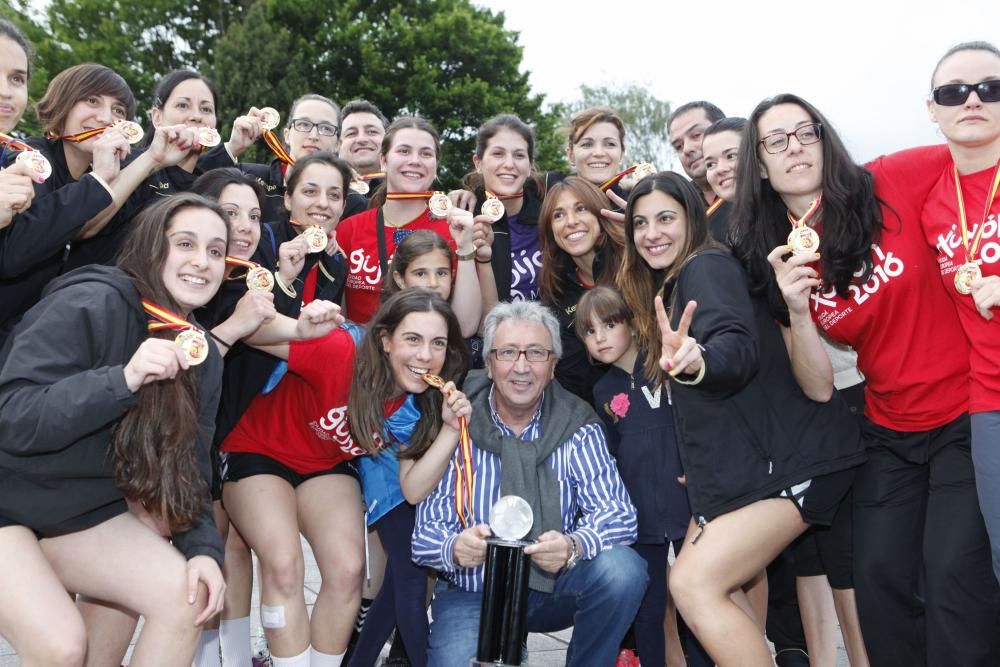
(275, 145)
(971, 251)
(245, 263)
(614, 179)
(377, 174)
(464, 475)
(397, 196)
(714, 207)
(810, 212)
(164, 319)
(7, 141)
(83, 136)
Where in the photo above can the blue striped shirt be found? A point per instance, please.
(596, 508)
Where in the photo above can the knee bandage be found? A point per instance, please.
(272, 617)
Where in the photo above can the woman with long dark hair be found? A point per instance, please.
(919, 539)
(101, 403)
(580, 248)
(16, 191)
(758, 449)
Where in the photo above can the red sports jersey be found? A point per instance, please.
(942, 229)
(303, 422)
(356, 236)
(901, 322)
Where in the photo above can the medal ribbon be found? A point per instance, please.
(970, 252)
(614, 179)
(516, 195)
(83, 136)
(368, 177)
(7, 141)
(464, 476)
(810, 212)
(396, 196)
(714, 207)
(164, 319)
(275, 145)
(236, 261)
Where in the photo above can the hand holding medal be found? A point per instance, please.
(457, 408)
(796, 279)
(156, 359)
(190, 340)
(172, 143)
(246, 130)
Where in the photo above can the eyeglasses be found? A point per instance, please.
(305, 126)
(777, 142)
(534, 355)
(955, 94)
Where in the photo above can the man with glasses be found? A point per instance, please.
(532, 438)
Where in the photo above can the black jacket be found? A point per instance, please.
(747, 430)
(33, 247)
(62, 391)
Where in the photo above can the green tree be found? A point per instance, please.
(644, 115)
(447, 60)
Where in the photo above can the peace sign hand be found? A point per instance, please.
(679, 353)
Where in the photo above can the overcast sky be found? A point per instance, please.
(866, 64)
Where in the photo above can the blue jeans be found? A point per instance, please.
(599, 598)
(986, 459)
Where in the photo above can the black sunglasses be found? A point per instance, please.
(955, 94)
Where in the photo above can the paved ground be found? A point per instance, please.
(545, 650)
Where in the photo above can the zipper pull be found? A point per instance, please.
(701, 523)
(770, 466)
(631, 381)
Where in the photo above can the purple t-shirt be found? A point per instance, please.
(526, 260)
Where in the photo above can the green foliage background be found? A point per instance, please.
(447, 60)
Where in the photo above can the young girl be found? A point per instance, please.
(409, 158)
(409, 448)
(580, 248)
(135, 418)
(640, 427)
(757, 450)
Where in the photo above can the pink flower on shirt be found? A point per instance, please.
(619, 404)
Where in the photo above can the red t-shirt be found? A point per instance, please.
(901, 322)
(942, 230)
(303, 422)
(356, 236)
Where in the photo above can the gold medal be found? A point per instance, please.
(130, 130)
(260, 278)
(208, 137)
(316, 239)
(439, 205)
(37, 162)
(970, 271)
(493, 208)
(435, 381)
(194, 345)
(804, 241)
(642, 170)
(269, 118)
(964, 276)
(361, 187)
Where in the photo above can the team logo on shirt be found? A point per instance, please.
(365, 272)
(887, 267)
(952, 254)
(334, 427)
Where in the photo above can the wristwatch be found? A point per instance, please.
(574, 555)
